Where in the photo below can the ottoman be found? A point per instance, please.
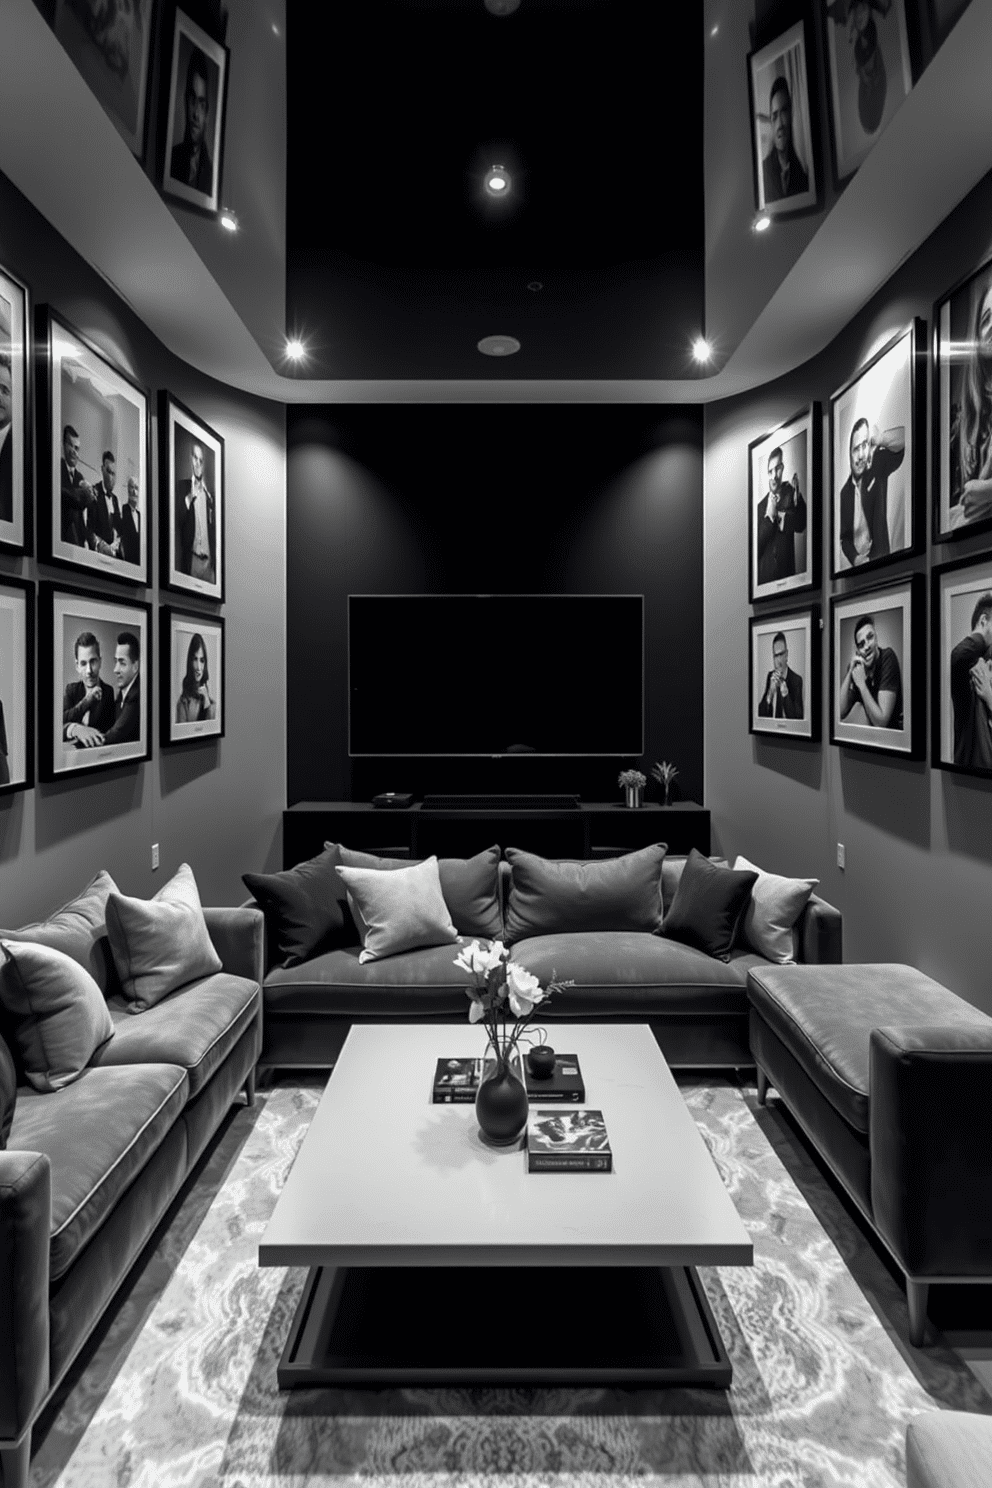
(949, 1449)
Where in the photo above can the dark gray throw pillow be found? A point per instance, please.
(304, 908)
(470, 886)
(708, 907)
(8, 1092)
(552, 897)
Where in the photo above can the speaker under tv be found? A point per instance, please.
(495, 675)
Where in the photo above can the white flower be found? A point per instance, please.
(475, 1012)
(477, 960)
(525, 990)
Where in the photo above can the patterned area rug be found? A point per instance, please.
(821, 1392)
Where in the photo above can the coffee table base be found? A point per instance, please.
(516, 1325)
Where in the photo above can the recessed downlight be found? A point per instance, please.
(498, 181)
(702, 351)
(229, 220)
(295, 349)
(501, 7)
(499, 346)
(761, 223)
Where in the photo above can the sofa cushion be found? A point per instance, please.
(8, 1091)
(79, 930)
(470, 886)
(398, 910)
(671, 872)
(824, 1016)
(770, 918)
(97, 1133)
(630, 972)
(303, 908)
(57, 1011)
(557, 897)
(413, 983)
(160, 944)
(194, 1028)
(708, 906)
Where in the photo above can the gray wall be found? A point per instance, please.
(918, 881)
(216, 804)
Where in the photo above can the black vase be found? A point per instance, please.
(501, 1106)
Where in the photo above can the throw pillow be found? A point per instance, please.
(59, 1014)
(550, 897)
(398, 909)
(776, 904)
(160, 944)
(708, 906)
(470, 887)
(8, 1092)
(78, 929)
(302, 909)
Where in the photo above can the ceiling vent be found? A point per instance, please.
(499, 346)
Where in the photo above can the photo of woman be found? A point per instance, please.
(195, 703)
(192, 689)
(963, 438)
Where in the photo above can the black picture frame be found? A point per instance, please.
(179, 631)
(861, 95)
(961, 720)
(796, 714)
(192, 52)
(799, 440)
(958, 386)
(112, 48)
(16, 391)
(17, 673)
(183, 570)
(897, 610)
(65, 615)
(80, 387)
(784, 60)
(888, 391)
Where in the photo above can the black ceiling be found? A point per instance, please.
(397, 263)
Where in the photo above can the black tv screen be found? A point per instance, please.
(487, 674)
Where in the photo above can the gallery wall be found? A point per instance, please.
(918, 841)
(191, 800)
(497, 500)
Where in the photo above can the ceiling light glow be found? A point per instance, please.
(497, 180)
(702, 351)
(498, 346)
(762, 222)
(501, 7)
(229, 220)
(295, 349)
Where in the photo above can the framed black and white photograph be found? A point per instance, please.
(962, 405)
(191, 661)
(877, 440)
(16, 685)
(785, 174)
(878, 668)
(15, 415)
(111, 45)
(784, 508)
(93, 441)
(95, 682)
(870, 73)
(191, 487)
(961, 706)
(193, 131)
(784, 674)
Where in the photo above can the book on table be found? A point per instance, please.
(456, 1080)
(568, 1142)
(564, 1084)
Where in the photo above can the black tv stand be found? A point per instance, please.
(501, 802)
(586, 829)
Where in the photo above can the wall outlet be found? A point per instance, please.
(841, 856)
(154, 856)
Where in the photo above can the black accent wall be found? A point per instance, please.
(469, 499)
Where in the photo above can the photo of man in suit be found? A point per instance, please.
(130, 524)
(126, 725)
(87, 705)
(103, 516)
(864, 496)
(6, 441)
(782, 172)
(781, 515)
(782, 696)
(196, 523)
(190, 161)
(77, 493)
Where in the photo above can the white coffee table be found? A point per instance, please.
(434, 1259)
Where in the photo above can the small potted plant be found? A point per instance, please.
(633, 783)
(665, 773)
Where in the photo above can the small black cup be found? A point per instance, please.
(541, 1062)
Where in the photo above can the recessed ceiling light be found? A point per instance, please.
(762, 222)
(501, 7)
(714, 29)
(535, 286)
(702, 351)
(499, 346)
(497, 181)
(229, 220)
(295, 349)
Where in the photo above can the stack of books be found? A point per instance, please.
(568, 1142)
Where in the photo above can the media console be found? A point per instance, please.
(591, 829)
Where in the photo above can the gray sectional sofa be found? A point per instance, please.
(90, 1169)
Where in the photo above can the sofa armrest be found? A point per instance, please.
(930, 1092)
(238, 937)
(25, 1236)
(820, 933)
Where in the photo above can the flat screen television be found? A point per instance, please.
(489, 674)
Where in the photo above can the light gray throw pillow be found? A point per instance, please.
(776, 904)
(57, 1011)
(79, 930)
(160, 944)
(398, 909)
